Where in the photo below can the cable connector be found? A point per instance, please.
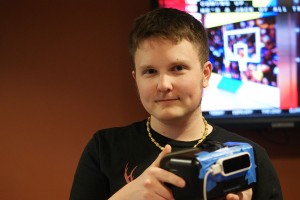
(216, 169)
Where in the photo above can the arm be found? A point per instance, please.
(268, 184)
(89, 181)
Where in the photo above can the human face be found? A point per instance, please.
(170, 78)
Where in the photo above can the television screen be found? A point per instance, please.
(254, 49)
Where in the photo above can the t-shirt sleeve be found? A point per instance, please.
(89, 180)
(268, 185)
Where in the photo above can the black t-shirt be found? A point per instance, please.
(116, 156)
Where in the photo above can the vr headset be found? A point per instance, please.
(212, 170)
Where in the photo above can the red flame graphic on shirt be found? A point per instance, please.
(130, 177)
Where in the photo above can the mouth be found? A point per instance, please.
(166, 100)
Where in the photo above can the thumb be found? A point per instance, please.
(167, 149)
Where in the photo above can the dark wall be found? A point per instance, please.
(64, 73)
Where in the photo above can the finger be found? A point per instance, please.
(163, 191)
(232, 197)
(171, 178)
(167, 149)
(164, 175)
(238, 196)
(244, 195)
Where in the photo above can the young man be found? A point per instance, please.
(169, 49)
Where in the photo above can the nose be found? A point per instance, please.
(164, 83)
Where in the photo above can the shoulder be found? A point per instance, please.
(119, 135)
(223, 135)
(121, 131)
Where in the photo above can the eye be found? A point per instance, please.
(178, 68)
(149, 71)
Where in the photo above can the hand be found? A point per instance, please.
(244, 195)
(151, 183)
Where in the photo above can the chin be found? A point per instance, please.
(168, 116)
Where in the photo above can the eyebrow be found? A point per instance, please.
(144, 66)
(173, 63)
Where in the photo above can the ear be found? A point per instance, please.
(207, 69)
(133, 74)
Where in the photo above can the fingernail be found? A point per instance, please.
(181, 183)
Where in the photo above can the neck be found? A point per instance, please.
(179, 129)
